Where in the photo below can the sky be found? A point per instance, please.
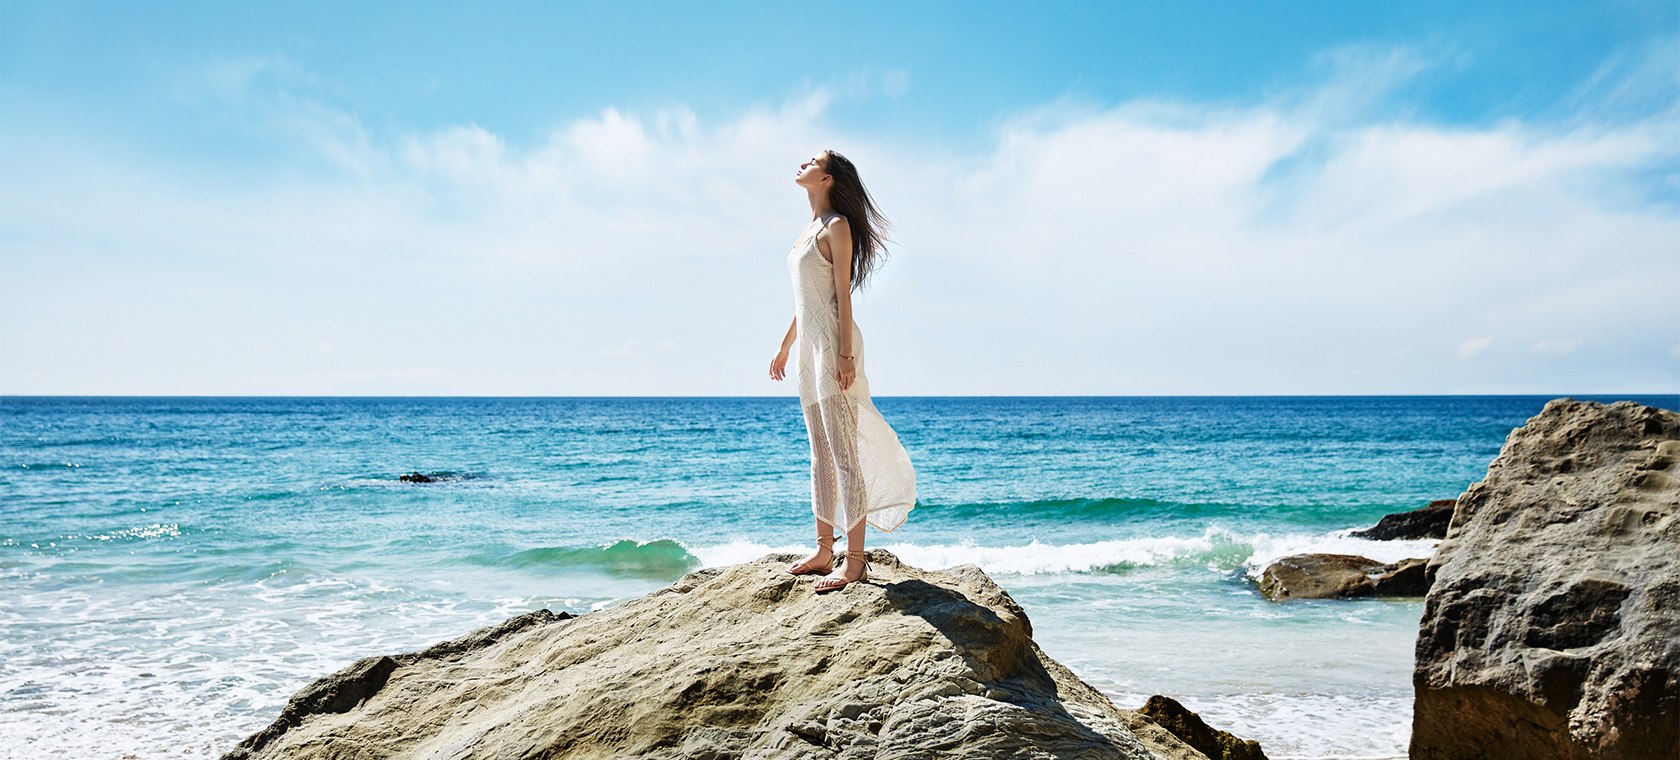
(561, 199)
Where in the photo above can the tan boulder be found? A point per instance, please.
(1552, 626)
(1335, 576)
(737, 662)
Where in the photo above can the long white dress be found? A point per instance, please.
(858, 468)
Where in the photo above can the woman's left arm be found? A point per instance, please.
(840, 255)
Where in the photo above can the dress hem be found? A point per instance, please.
(866, 518)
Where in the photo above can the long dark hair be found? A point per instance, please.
(869, 229)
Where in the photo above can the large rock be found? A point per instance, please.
(1429, 521)
(1186, 725)
(1552, 626)
(737, 662)
(1335, 576)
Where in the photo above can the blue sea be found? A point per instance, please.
(172, 569)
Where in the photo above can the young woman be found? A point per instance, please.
(860, 474)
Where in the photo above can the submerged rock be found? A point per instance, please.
(1334, 576)
(738, 662)
(1550, 630)
(416, 477)
(1186, 725)
(1424, 522)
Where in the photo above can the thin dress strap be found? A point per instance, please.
(820, 230)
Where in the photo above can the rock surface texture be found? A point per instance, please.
(1333, 576)
(1429, 521)
(1552, 626)
(737, 662)
(1186, 725)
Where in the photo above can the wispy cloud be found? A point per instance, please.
(1152, 247)
(1473, 347)
(1557, 346)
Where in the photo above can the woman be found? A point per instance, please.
(860, 474)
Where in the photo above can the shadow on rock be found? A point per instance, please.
(745, 661)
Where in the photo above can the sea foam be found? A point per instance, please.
(1216, 549)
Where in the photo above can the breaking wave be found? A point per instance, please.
(1216, 549)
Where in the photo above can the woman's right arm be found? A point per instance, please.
(778, 365)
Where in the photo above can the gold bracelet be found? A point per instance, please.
(847, 358)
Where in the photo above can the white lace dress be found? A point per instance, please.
(858, 468)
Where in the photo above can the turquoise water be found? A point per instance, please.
(172, 569)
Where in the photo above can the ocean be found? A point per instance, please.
(172, 569)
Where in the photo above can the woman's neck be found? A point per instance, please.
(819, 203)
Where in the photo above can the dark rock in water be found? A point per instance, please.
(1188, 726)
(1425, 522)
(1333, 576)
(1552, 628)
(415, 477)
(736, 662)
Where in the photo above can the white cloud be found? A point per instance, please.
(895, 83)
(1557, 346)
(1149, 248)
(1472, 347)
(273, 97)
(892, 83)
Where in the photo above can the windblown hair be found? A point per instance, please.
(869, 228)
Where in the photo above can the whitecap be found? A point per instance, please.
(1216, 548)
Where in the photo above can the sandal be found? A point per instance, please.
(800, 568)
(836, 583)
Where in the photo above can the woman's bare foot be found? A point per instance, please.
(852, 570)
(820, 561)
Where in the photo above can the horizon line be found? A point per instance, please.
(4, 396)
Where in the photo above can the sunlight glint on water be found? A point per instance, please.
(171, 570)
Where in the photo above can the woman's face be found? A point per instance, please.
(812, 172)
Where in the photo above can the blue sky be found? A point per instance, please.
(1091, 198)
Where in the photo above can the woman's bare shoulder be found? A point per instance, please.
(835, 228)
(836, 225)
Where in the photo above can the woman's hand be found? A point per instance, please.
(846, 372)
(778, 365)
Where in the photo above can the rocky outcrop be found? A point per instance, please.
(1334, 576)
(1550, 628)
(347, 689)
(1186, 725)
(1424, 522)
(737, 662)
